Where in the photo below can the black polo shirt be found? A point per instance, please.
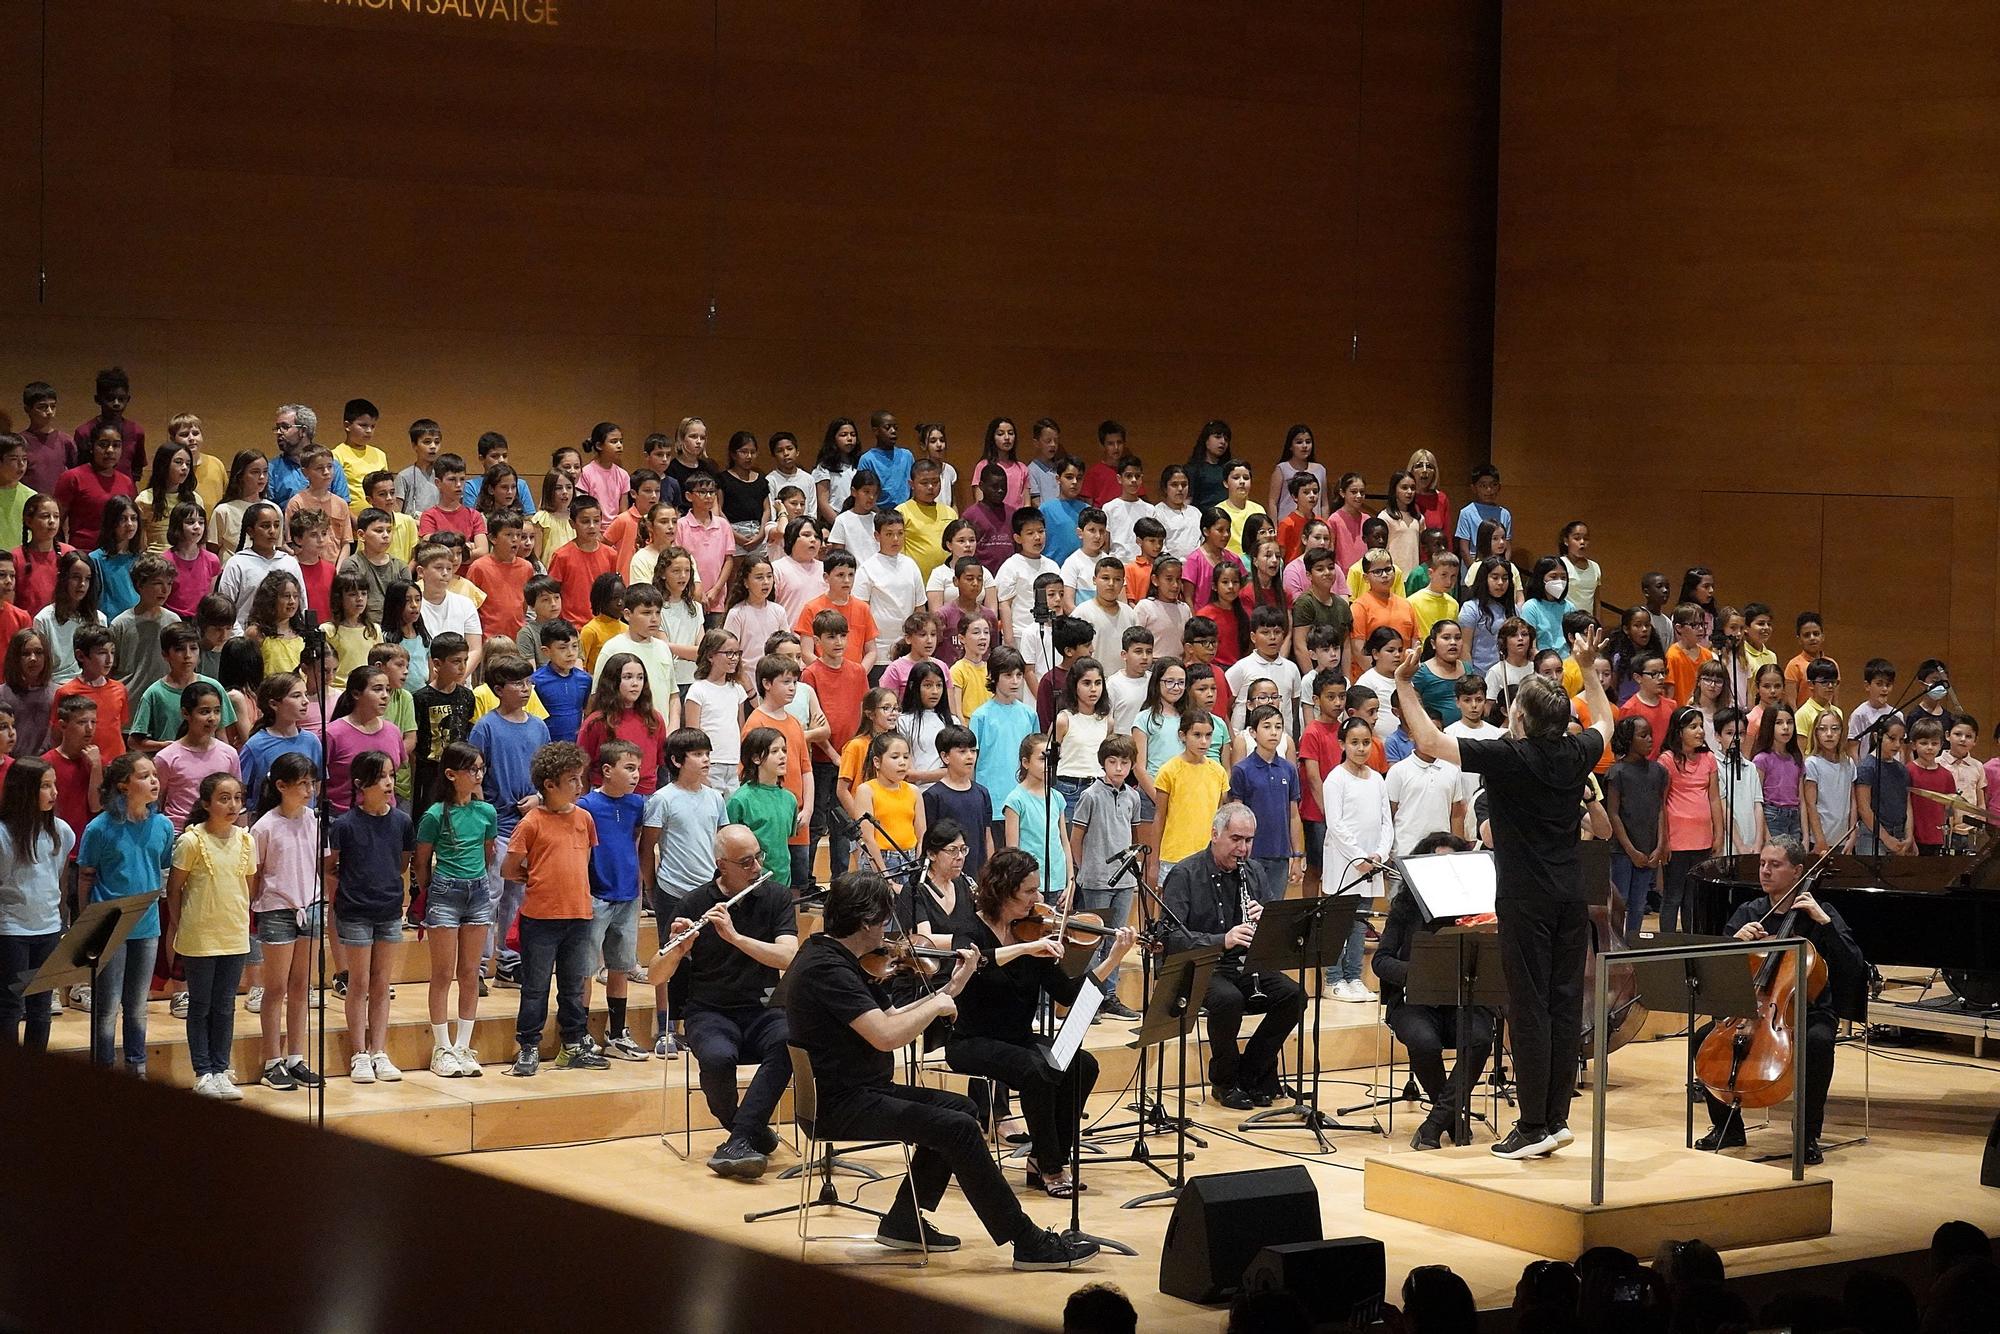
(721, 976)
(825, 992)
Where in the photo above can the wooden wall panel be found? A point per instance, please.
(769, 214)
(1756, 249)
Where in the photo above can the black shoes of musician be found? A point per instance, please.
(1430, 1135)
(527, 1064)
(1117, 1009)
(736, 1158)
(899, 1233)
(1525, 1144)
(1045, 1248)
(764, 1140)
(1815, 1156)
(1235, 1099)
(1722, 1137)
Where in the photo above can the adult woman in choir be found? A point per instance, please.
(994, 1034)
(939, 904)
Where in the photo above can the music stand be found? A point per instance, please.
(99, 931)
(1302, 935)
(1459, 966)
(1177, 991)
(1718, 986)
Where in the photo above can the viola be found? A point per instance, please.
(1076, 928)
(898, 956)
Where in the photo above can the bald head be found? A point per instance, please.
(738, 857)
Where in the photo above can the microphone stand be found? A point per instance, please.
(315, 652)
(1183, 1136)
(1875, 731)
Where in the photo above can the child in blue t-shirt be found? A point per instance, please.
(618, 809)
(126, 850)
(1032, 810)
(508, 738)
(998, 726)
(561, 683)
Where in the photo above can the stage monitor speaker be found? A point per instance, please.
(1340, 1280)
(1989, 1170)
(1221, 1221)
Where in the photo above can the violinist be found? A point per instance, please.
(1208, 894)
(733, 963)
(938, 905)
(838, 1018)
(1780, 865)
(1426, 1030)
(995, 1035)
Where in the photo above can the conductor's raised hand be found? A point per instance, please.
(1406, 670)
(1584, 647)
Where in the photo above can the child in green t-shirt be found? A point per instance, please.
(763, 803)
(454, 844)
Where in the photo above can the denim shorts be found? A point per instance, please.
(284, 926)
(614, 931)
(452, 901)
(361, 933)
(1147, 810)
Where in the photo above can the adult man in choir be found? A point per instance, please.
(295, 428)
(733, 964)
(1207, 894)
(1781, 863)
(1427, 1030)
(1535, 777)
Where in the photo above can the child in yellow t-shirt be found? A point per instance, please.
(1190, 788)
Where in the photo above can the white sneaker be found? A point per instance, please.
(254, 1002)
(445, 1064)
(223, 1086)
(1355, 992)
(204, 1086)
(468, 1064)
(385, 1069)
(361, 1069)
(79, 998)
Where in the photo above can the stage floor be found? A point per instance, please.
(1920, 1167)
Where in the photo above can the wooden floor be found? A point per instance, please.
(1921, 1167)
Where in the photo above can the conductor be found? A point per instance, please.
(1535, 777)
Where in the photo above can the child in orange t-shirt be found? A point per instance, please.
(550, 855)
(1686, 654)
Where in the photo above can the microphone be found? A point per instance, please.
(1360, 880)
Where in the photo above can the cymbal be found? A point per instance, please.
(1958, 805)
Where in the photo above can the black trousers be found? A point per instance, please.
(948, 1143)
(1821, 1027)
(1543, 945)
(724, 1039)
(1428, 1031)
(1229, 998)
(1049, 1097)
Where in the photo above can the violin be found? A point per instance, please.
(1074, 928)
(898, 956)
(1752, 1062)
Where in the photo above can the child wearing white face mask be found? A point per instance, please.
(1548, 600)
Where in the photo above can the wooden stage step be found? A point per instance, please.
(1652, 1193)
(429, 1114)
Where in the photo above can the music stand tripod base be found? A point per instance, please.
(1303, 936)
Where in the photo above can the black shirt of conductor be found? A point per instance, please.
(839, 1018)
(1206, 893)
(1535, 779)
(732, 965)
(1780, 866)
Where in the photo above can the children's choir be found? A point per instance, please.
(527, 706)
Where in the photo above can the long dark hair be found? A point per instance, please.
(289, 767)
(21, 812)
(830, 456)
(396, 601)
(84, 608)
(604, 695)
(990, 451)
(913, 693)
(1495, 610)
(198, 813)
(239, 465)
(156, 482)
(1199, 455)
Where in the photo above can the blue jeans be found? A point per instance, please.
(20, 957)
(125, 980)
(1349, 967)
(211, 1021)
(506, 896)
(1072, 789)
(1634, 882)
(1115, 907)
(561, 945)
(1676, 912)
(1782, 821)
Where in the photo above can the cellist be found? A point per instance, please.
(1780, 864)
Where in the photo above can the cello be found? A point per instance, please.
(1753, 1062)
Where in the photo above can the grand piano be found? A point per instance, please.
(1923, 912)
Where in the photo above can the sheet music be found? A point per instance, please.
(1451, 884)
(1075, 1025)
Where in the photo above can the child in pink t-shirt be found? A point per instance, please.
(184, 763)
